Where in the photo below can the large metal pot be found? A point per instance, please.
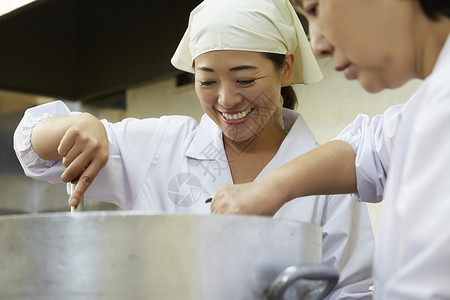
(124, 255)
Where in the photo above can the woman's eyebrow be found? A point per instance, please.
(205, 69)
(239, 68)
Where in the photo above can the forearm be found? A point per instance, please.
(328, 169)
(80, 141)
(47, 134)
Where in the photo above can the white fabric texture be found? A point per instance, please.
(408, 149)
(269, 26)
(150, 158)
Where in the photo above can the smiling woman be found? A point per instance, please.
(244, 53)
(240, 91)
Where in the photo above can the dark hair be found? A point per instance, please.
(434, 8)
(289, 97)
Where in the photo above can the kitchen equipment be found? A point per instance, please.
(80, 206)
(129, 255)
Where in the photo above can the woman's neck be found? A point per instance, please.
(247, 159)
(432, 36)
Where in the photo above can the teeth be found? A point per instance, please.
(237, 116)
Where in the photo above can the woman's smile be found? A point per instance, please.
(236, 117)
(239, 90)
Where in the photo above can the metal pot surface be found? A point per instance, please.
(127, 255)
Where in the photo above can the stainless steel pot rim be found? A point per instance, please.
(131, 214)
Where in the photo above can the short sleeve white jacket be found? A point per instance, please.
(172, 164)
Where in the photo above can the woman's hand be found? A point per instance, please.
(82, 144)
(255, 198)
(328, 169)
(84, 150)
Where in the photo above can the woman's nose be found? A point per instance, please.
(228, 97)
(319, 44)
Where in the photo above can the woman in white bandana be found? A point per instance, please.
(245, 55)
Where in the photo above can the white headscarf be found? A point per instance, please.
(270, 26)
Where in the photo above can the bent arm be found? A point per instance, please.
(80, 141)
(74, 145)
(357, 161)
(48, 133)
(328, 169)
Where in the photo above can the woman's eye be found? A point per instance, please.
(206, 83)
(312, 10)
(245, 82)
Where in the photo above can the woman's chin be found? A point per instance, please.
(376, 84)
(238, 138)
(372, 86)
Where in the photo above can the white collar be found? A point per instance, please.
(207, 143)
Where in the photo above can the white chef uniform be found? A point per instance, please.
(405, 154)
(171, 165)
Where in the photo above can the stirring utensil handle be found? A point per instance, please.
(80, 206)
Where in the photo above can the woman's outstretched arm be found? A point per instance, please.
(328, 169)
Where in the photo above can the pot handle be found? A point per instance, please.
(310, 272)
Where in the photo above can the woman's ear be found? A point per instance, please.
(288, 67)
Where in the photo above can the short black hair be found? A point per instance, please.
(434, 8)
